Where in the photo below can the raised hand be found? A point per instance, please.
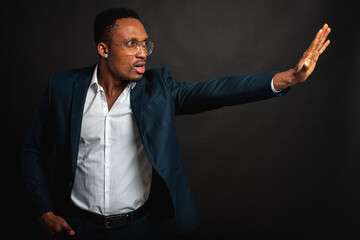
(306, 64)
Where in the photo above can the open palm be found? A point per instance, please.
(307, 63)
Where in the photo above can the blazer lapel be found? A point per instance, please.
(136, 101)
(78, 100)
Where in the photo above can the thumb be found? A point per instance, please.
(66, 227)
(306, 64)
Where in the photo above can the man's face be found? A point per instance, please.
(122, 65)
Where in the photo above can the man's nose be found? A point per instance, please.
(142, 53)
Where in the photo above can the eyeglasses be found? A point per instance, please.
(133, 47)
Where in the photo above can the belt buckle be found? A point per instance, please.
(116, 221)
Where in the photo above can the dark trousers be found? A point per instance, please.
(85, 229)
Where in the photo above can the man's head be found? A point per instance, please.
(115, 31)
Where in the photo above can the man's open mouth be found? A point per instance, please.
(139, 67)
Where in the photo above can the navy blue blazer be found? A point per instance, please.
(155, 101)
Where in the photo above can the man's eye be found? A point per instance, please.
(131, 44)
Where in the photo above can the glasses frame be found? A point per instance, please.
(138, 44)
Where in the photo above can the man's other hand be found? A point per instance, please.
(53, 224)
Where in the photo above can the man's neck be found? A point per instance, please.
(112, 86)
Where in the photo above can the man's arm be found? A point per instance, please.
(232, 90)
(307, 63)
(191, 98)
(36, 147)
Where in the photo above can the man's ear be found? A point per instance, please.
(103, 49)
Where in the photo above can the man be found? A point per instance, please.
(118, 166)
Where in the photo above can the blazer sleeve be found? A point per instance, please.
(232, 90)
(36, 148)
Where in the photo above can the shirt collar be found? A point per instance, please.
(94, 83)
(94, 80)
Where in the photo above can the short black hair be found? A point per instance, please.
(105, 22)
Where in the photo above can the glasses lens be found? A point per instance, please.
(134, 48)
(149, 46)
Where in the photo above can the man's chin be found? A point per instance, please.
(135, 79)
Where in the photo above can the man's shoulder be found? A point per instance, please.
(73, 74)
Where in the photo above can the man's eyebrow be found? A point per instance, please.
(134, 39)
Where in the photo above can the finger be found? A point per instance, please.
(315, 43)
(324, 37)
(323, 48)
(66, 227)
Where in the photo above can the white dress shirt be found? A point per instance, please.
(113, 173)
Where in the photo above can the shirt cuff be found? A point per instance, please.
(273, 88)
(278, 92)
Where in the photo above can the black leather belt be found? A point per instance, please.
(119, 220)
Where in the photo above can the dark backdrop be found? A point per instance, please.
(286, 167)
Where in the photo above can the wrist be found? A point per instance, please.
(284, 80)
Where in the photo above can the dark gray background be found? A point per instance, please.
(285, 167)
